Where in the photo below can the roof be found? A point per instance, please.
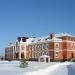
(56, 39)
(44, 56)
(38, 39)
(62, 34)
(42, 39)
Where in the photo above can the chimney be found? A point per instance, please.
(51, 35)
(19, 39)
(24, 39)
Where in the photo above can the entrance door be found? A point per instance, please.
(72, 55)
(46, 59)
(17, 56)
(22, 55)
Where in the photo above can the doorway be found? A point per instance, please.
(46, 59)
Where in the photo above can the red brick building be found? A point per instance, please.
(59, 47)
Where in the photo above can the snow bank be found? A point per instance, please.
(3, 62)
(34, 68)
(47, 71)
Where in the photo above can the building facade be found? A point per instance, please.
(16, 50)
(10, 51)
(59, 47)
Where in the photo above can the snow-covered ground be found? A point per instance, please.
(37, 68)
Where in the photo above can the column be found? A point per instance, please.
(19, 51)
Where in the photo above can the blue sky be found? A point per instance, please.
(25, 17)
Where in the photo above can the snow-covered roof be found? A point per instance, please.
(29, 41)
(11, 44)
(42, 39)
(47, 38)
(56, 39)
(62, 34)
(38, 39)
(44, 56)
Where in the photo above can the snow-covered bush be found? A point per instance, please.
(23, 63)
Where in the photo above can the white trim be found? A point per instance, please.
(56, 41)
(55, 46)
(19, 51)
(68, 41)
(25, 51)
(62, 50)
(56, 55)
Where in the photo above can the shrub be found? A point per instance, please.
(23, 63)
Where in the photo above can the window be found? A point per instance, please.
(35, 47)
(57, 54)
(39, 39)
(43, 54)
(32, 54)
(46, 53)
(42, 59)
(39, 54)
(32, 48)
(22, 48)
(36, 55)
(57, 45)
(39, 47)
(73, 46)
(32, 40)
(44, 46)
(74, 39)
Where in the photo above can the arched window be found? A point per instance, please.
(57, 45)
(44, 46)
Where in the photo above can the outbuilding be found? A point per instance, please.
(44, 58)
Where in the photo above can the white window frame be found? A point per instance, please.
(33, 48)
(56, 55)
(47, 46)
(43, 46)
(57, 48)
(39, 47)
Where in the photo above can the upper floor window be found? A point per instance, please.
(33, 48)
(43, 53)
(39, 39)
(32, 40)
(30, 48)
(22, 48)
(46, 53)
(57, 45)
(74, 39)
(73, 45)
(44, 46)
(39, 47)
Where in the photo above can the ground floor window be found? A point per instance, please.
(22, 55)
